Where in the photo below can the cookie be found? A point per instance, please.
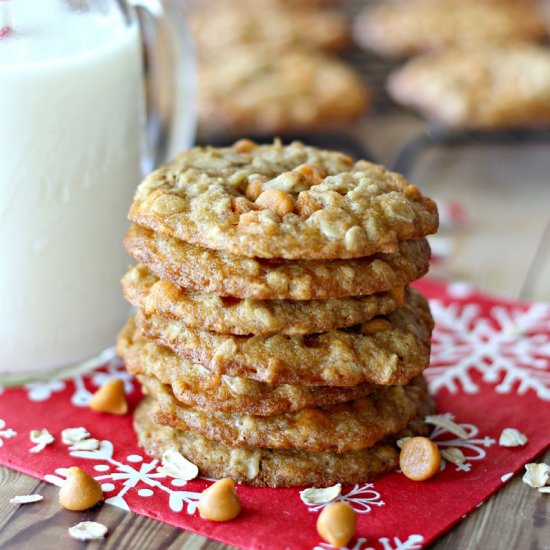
(358, 424)
(313, 204)
(217, 272)
(196, 386)
(339, 358)
(410, 27)
(243, 317)
(487, 88)
(265, 467)
(222, 26)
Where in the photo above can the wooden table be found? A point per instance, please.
(505, 249)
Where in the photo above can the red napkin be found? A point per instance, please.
(490, 370)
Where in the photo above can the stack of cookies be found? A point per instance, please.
(276, 337)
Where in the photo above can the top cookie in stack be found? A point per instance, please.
(275, 334)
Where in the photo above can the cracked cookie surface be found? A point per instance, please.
(275, 201)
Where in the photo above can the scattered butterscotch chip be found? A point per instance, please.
(88, 530)
(419, 458)
(80, 491)
(175, 465)
(446, 423)
(220, 502)
(320, 496)
(454, 455)
(110, 398)
(510, 437)
(336, 524)
(26, 499)
(41, 438)
(536, 475)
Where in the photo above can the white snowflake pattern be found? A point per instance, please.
(42, 391)
(5, 433)
(473, 447)
(510, 348)
(360, 497)
(412, 542)
(130, 475)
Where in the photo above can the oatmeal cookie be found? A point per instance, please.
(409, 27)
(275, 201)
(487, 88)
(262, 93)
(265, 467)
(344, 357)
(196, 386)
(262, 317)
(222, 26)
(217, 272)
(358, 424)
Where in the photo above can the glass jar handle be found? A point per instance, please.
(171, 80)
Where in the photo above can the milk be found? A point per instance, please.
(71, 113)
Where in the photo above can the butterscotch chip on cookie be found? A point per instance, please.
(260, 92)
(486, 88)
(263, 317)
(409, 27)
(217, 272)
(337, 428)
(339, 358)
(342, 209)
(196, 386)
(265, 467)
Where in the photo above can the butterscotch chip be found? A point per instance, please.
(215, 272)
(407, 28)
(419, 458)
(110, 398)
(232, 315)
(336, 524)
(364, 196)
(264, 92)
(491, 87)
(337, 358)
(195, 386)
(276, 200)
(264, 467)
(80, 491)
(220, 501)
(338, 428)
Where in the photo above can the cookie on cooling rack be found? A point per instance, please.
(408, 27)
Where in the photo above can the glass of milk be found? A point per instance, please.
(73, 135)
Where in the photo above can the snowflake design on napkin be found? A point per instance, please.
(5, 433)
(412, 542)
(135, 474)
(361, 497)
(473, 447)
(509, 348)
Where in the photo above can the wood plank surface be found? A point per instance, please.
(505, 248)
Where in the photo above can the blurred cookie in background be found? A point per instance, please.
(274, 24)
(248, 90)
(490, 88)
(404, 28)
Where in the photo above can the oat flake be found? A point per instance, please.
(510, 437)
(88, 530)
(174, 464)
(25, 499)
(536, 475)
(444, 422)
(320, 496)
